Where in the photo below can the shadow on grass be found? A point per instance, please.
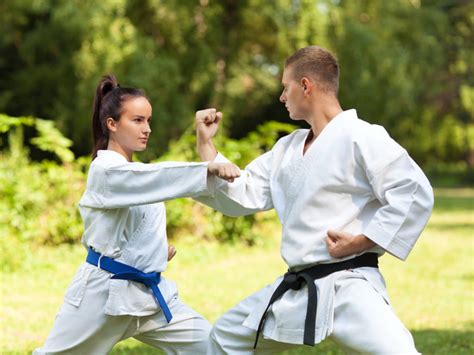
(428, 341)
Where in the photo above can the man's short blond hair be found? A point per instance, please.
(318, 64)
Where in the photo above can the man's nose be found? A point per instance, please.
(282, 98)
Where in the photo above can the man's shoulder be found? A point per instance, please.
(360, 129)
(370, 138)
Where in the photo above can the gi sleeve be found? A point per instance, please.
(403, 190)
(248, 194)
(132, 184)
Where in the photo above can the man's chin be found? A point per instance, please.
(293, 118)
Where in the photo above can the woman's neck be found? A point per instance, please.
(119, 149)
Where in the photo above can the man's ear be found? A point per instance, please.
(307, 85)
(111, 124)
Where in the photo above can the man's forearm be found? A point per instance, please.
(362, 243)
(206, 150)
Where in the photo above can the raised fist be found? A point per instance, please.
(207, 122)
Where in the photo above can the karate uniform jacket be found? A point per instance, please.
(353, 178)
(124, 218)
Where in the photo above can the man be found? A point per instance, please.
(345, 193)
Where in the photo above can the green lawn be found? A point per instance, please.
(432, 292)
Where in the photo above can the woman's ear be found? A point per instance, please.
(111, 124)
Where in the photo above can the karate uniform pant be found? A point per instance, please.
(363, 324)
(88, 330)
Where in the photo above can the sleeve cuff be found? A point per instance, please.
(385, 240)
(211, 185)
(221, 159)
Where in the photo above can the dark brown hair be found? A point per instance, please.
(318, 64)
(108, 102)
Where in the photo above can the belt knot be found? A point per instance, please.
(122, 271)
(293, 280)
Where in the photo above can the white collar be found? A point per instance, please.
(111, 155)
(347, 113)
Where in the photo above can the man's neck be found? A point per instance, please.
(322, 113)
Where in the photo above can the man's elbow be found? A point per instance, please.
(424, 194)
(429, 198)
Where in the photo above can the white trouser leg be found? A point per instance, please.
(86, 329)
(187, 333)
(229, 336)
(364, 323)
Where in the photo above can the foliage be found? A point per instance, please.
(39, 199)
(48, 139)
(404, 64)
(409, 68)
(185, 55)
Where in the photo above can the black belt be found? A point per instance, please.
(295, 280)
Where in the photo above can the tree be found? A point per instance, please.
(405, 64)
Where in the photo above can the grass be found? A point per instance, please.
(432, 292)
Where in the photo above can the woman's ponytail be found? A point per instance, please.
(99, 128)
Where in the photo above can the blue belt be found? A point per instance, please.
(125, 272)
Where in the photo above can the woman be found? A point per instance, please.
(118, 292)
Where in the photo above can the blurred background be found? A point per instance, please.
(405, 64)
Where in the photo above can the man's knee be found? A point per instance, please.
(201, 336)
(217, 333)
(214, 346)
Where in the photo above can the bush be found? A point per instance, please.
(39, 199)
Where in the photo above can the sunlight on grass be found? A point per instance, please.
(432, 292)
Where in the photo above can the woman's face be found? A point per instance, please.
(132, 131)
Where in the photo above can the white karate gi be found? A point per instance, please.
(124, 218)
(354, 178)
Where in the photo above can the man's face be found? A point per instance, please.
(292, 95)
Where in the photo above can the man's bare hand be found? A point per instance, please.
(207, 123)
(341, 244)
(225, 171)
(171, 252)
